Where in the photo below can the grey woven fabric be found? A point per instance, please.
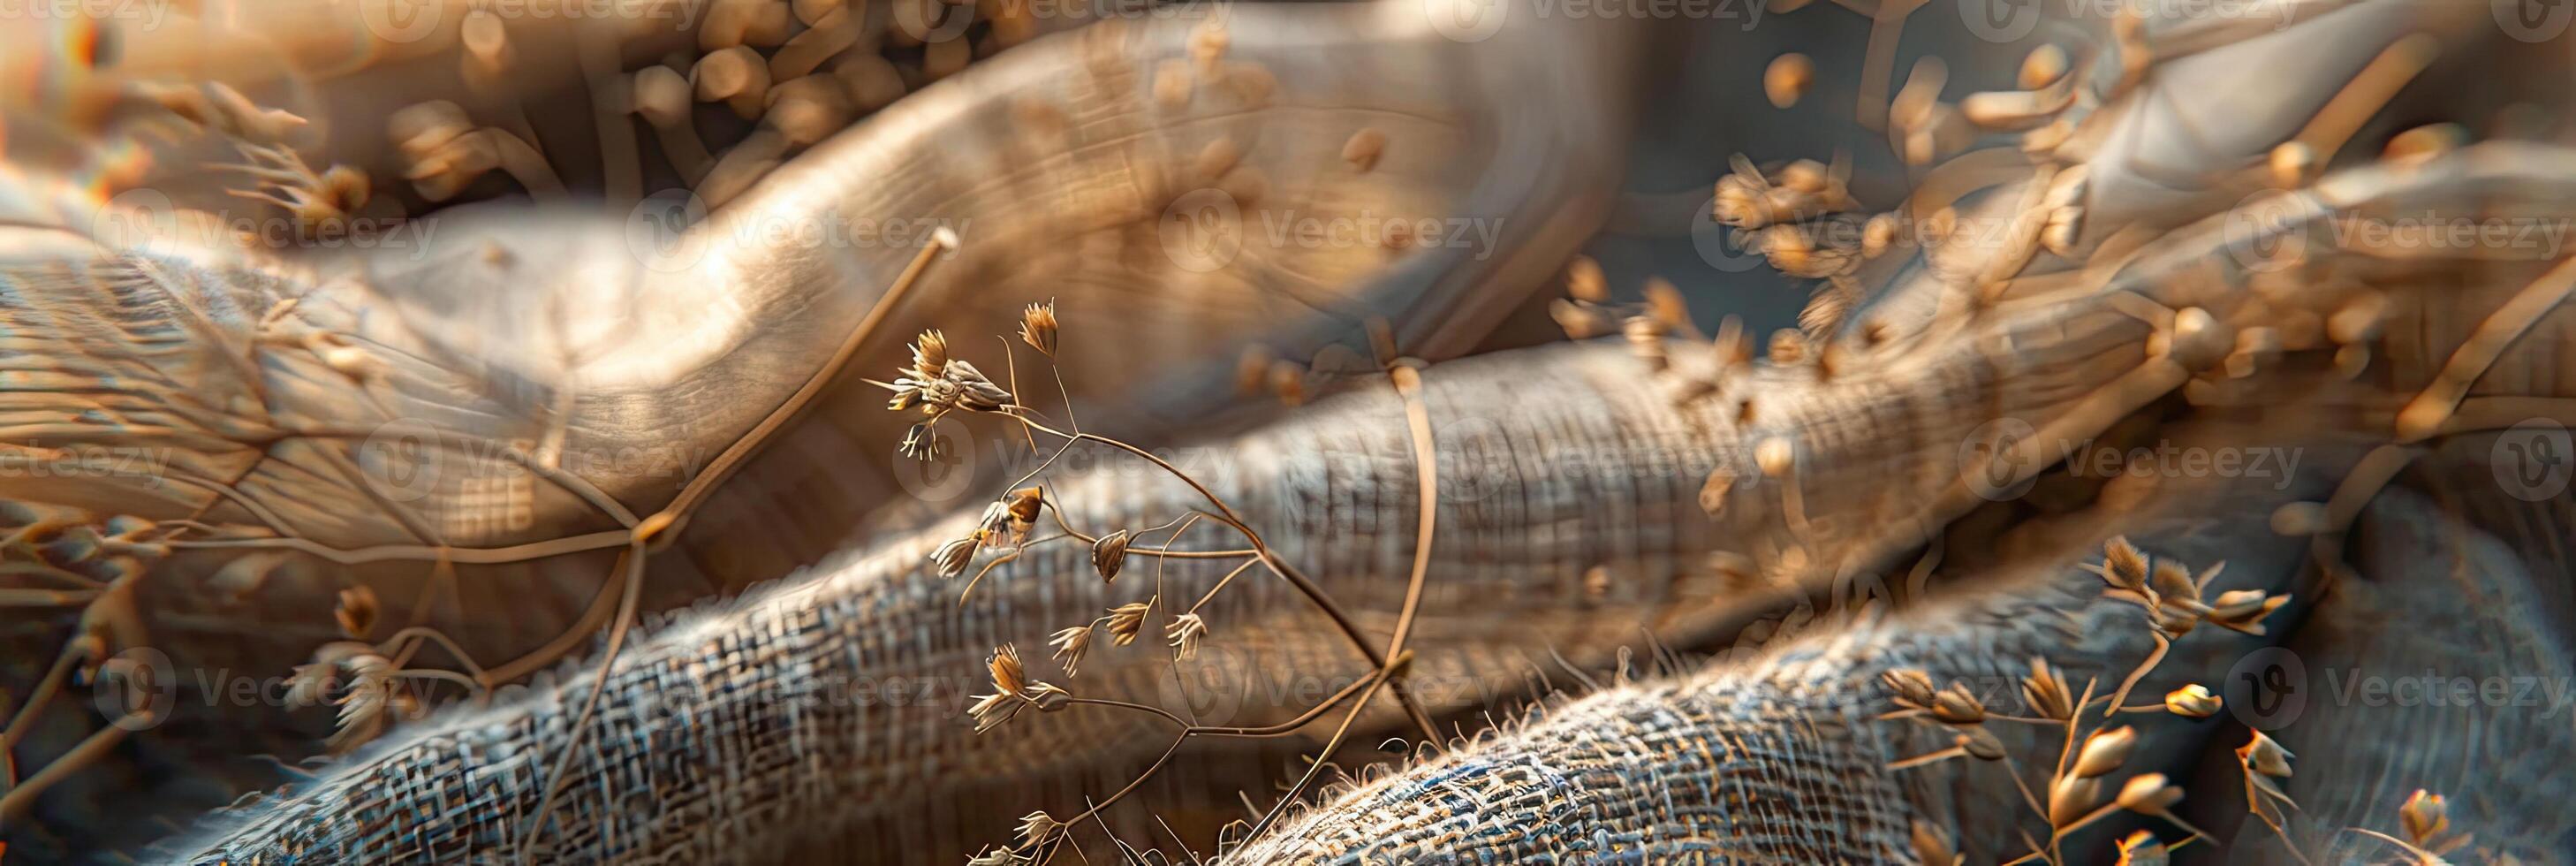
(831, 706)
(1776, 755)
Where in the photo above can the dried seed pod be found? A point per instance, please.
(1070, 645)
(2425, 817)
(2142, 849)
(1128, 620)
(953, 557)
(2263, 755)
(357, 611)
(2104, 752)
(2193, 701)
(2070, 798)
(1038, 327)
(2042, 67)
(2044, 690)
(1980, 744)
(1109, 554)
(1184, 634)
(1004, 664)
(2126, 566)
(1787, 79)
(1912, 687)
(1036, 827)
(2243, 610)
(2172, 584)
(1957, 706)
(2148, 794)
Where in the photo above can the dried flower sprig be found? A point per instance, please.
(938, 384)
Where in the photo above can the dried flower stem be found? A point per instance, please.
(1267, 557)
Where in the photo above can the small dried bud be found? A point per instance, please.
(2193, 701)
(2243, 610)
(1069, 645)
(1957, 706)
(2126, 567)
(996, 857)
(1665, 303)
(2173, 584)
(1004, 664)
(1787, 79)
(2071, 798)
(919, 443)
(1110, 554)
(2045, 691)
(930, 355)
(1126, 620)
(1585, 282)
(1184, 634)
(1036, 827)
(1047, 697)
(991, 711)
(357, 611)
(2425, 817)
(1913, 687)
(952, 558)
(1038, 327)
(2105, 751)
(2148, 794)
(2265, 756)
(1981, 744)
(2142, 849)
